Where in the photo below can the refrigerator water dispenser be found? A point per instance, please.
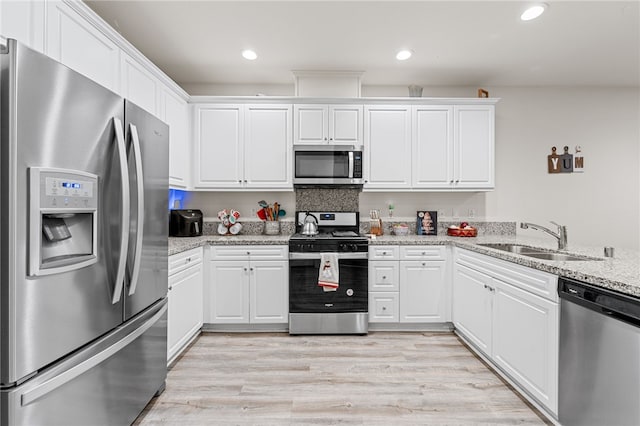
(63, 220)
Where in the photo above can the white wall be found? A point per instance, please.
(600, 206)
(245, 202)
(201, 89)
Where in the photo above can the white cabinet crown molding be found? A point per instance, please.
(343, 101)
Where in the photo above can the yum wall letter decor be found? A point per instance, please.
(565, 163)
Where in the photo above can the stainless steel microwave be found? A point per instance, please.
(327, 165)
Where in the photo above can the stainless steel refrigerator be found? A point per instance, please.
(83, 247)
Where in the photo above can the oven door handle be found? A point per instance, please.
(314, 256)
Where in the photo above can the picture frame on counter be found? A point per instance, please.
(426, 222)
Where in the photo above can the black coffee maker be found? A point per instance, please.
(185, 223)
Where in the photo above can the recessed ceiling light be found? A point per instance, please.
(533, 11)
(403, 55)
(249, 54)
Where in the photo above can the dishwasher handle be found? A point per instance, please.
(601, 300)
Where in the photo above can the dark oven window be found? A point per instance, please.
(306, 296)
(319, 164)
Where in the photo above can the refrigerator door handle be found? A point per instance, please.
(54, 383)
(126, 210)
(137, 254)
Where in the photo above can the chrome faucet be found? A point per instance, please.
(561, 235)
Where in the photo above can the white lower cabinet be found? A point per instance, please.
(229, 292)
(472, 306)
(384, 297)
(249, 285)
(510, 313)
(269, 291)
(185, 300)
(422, 291)
(407, 284)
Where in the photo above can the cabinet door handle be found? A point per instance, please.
(239, 180)
(251, 269)
(245, 269)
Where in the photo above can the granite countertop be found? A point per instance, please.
(178, 245)
(620, 273)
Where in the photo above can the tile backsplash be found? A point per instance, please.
(328, 199)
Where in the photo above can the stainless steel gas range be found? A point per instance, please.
(313, 309)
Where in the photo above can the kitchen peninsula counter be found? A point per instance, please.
(620, 273)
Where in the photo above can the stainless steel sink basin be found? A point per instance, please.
(513, 248)
(538, 253)
(560, 257)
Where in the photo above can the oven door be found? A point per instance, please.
(306, 296)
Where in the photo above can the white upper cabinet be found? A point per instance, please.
(474, 149)
(24, 21)
(218, 138)
(139, 86)
(243, 146)
(387, 140)
(311, 124)
(267, 147)
(175, 112)
(451, 147)
(318, 124)
(432, 157)
(75, 42)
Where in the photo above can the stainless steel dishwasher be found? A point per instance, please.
(599, 371)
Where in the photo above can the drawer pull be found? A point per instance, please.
(384, 277)
(384, 308)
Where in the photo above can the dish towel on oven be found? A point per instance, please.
(328, 274)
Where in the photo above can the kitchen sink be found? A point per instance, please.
(538, 253)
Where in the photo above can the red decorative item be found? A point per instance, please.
(458, 232)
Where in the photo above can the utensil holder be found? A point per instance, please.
(272, 227)
(375, 226)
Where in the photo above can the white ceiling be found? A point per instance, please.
(456, 43)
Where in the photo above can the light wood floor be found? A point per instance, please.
(378, 379)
